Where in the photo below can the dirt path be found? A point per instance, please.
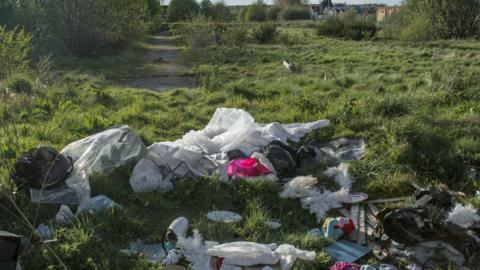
(163, 66)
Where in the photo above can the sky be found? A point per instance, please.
(247, 2)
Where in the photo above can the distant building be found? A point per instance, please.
(384, 12)
(333, 10)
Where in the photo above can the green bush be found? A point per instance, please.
(265, 32)
(15, 46)
(91, 27)
(198, 33)
(421, 20)
(234, 36)
(419, 29)
(347, 27)
(273, 12)
(296, 13)
(256, 12)
(19, 83)
(182, 10)
(220, 12)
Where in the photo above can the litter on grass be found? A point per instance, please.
(224, 216)
(64, 216)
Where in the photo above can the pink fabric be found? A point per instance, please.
(345, 266)
(248, 167)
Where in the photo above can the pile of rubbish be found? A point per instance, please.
(205, 255)
(432, 232)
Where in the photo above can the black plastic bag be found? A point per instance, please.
(43, 168)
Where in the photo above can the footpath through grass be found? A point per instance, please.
(417, 107)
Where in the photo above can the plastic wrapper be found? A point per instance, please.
(146, 177)
(102, 153)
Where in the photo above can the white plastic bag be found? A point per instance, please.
(105, 151)
(244, 254)
(289, 254)
(146, 177)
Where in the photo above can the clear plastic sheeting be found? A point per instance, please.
(153, 253)
(97, 205)
(203, 152)
(146, 177)
(338, 150)
(102, 153)
(105, 151)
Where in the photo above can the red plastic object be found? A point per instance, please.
(248, 167)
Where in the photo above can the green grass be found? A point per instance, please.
(417, 108)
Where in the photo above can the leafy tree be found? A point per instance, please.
(182, 9)
(15, 46)
(288, 3)
(256, 12)
(221, 12)
(206, 8)
(326, 3)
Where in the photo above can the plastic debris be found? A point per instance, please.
(173, 257)
(201, 153)
(335, 151)
(334, 228)
(345, 251)
(464, 216)
(45, 232)
(179, 226)
(64, 215)
(244, 254)
(9, 250)
(154, 253)
(289, 254)
(273, 224)
(224, 216)
(195, 251)
(101, 152)
(146, 177)
(345, 266)
(97, 205)
(299, 187)
(340, 175)
(248, 167)
(320, 202)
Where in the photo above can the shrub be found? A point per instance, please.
(182, 10)
(220, 12)
(242, 14)
(19, 83)
(15, 46)
(273, 12)
(296, 13)
(347, 27)
(256, 12)
(90, 27)
(198, 33)
(234, 36)
(206, 8)
(425, 20)
(333, 26)
(419, 29)
(265, 33)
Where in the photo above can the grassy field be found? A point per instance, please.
(417, 107)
